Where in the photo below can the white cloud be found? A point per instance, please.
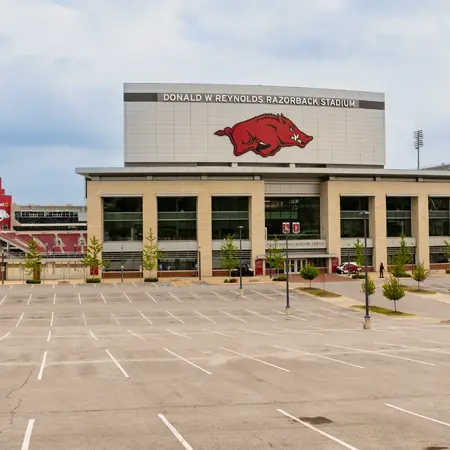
(62, 65)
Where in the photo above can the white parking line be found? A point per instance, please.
(218, 332)
(27, 437)
(234, 317)
(5, 336)
(260, 315)
(79, 298)
(114, 317)
(255, 359)
(434, 350)
(148, 320)
(178, 334)
(175, 433)
(257, 332)
(134, 334)
(11, 287)
(29, 300)
(32, 286)
(189, 362)
(135, 285)
(205, 317)
(175, 297)
(102, 296)
(151, 297)
(314, 314)
(20, 320)
(84, 319)
(128, 298)
(263, 295)
(117, 364)
(95, 285)
(289, 315)
(319, 356)
(329, 436)
(53, 317)
(49, 335)
(93, 335)
(3, 299)
(115, 285)
(41, 371)
(418, 415)
(220, 296)
(175, 317)
(54, 299)
(381, 354)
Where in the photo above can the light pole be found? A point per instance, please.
(199, 264)
(3, 266)
(121, 262)
(286, 227)
(241, 288)
(418, 143)
(365, 214)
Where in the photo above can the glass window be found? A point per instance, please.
(122, 230)
(228, 213)
(305, 210)
(395, 227)
(438, 258)
(439, 227)
(354, 228)
(177, 218)
(438, 203)
(398, 203)
(122, 204)
(354, 203)
(230, 203)
(122, 219)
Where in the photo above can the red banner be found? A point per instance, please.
(5, 212)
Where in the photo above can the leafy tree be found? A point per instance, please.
(309, 272)
(420, 274)
(229, 250)
(360, 259)
(151, 252)
(275, 257)
(92, 257)
(32, 260)
(370, 287)
(401, 259)
(393, 290)
(447, 253)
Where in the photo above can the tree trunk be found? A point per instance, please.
(418, 285)
(395, 305)
(310, 282)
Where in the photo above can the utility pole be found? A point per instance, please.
(418, 144)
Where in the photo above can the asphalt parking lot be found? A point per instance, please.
(138, 366)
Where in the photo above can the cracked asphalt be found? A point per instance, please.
(139, 366)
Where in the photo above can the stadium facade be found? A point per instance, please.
(202, 160)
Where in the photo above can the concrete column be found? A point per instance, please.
(420, 228)
(257, 223)
(149, 219)
(204, 231)
(94, 215)
(330, 219)
(377, 229)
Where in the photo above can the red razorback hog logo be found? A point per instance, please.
(265, 135)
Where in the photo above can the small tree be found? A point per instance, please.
(359, 250)
(370, 287)
(275, 257)
(151, 252)
(420, 274)
(92, 257)
(447, 253)
(309, 272)
(229, 251)
(393, 290)
(32, 260)
(401, 259)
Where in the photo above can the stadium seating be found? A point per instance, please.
(47, 241)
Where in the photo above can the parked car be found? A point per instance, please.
(247, 271)
(346, 268)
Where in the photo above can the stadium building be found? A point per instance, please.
(202, 160)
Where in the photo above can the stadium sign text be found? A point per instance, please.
(258, 99)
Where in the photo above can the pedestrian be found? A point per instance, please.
(381, 270)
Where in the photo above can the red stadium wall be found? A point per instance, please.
(5, 209)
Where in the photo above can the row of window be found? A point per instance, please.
(177, 217)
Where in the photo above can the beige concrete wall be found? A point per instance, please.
(204, 190)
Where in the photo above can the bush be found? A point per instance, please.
(93, 280)
(393, 290)
(226, 280)
(233, 280)
(358, 276)
(33, 281)
(151, 280)
(447, 271)
(279, 278)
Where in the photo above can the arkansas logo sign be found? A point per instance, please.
(265, 135)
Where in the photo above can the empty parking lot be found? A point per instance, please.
(139, 366)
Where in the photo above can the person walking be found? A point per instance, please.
(381, 270)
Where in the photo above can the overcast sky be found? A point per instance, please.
(63, 62)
